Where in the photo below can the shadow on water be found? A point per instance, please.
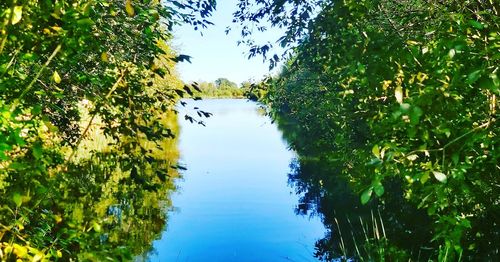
(380, 230)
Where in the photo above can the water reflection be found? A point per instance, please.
(392, 229)
(355, 230)
(94, 212)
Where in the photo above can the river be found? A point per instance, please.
(235, 202)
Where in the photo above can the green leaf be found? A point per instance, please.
(366, 195)
(439, 176)
(97, 227)
(476, 24)
(18, 199)
(85, 22)
(17, 166)
(424, 178)
(37, 151)
(415, 115)
(455, 158)
(495, 83)
(379, 189)
(404, 107)
(375, 162)
(473, 77)
(36, 110)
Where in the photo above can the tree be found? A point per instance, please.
(398, 92)
(224, 82)
(56, 56)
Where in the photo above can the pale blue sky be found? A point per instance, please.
(216, 54)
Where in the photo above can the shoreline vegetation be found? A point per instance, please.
(398, 99)
(88, 151)
(220, 88)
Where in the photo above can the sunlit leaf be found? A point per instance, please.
(129, 8)
(20, 251)
(37, 257)
(18, 13)
(376, 151)
(56, 77)
(439, 176)
(18, 199)
(398, 92)
(104, 57)
(424, 178)
(412, 157)
(96, 226)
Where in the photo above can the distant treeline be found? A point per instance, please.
(221, 88)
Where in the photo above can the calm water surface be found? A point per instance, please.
(234, 203)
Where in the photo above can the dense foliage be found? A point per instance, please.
(398, 97)
(77, 73)
(398, 93)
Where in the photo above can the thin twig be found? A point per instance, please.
(443, 149)
(115, 85)
(30, 86)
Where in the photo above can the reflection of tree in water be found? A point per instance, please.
(95, 211)
(325, 193)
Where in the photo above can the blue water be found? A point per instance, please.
(234, 203)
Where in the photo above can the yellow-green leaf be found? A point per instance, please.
(129, 8)
(85, 22)
(20, 251)
(424, 178)
(376, 151)
(411, 42)
(18, 199)
(97, 227)
(56, 77)
(104, 57)
(18, 14)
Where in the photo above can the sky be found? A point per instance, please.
(215, 54)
